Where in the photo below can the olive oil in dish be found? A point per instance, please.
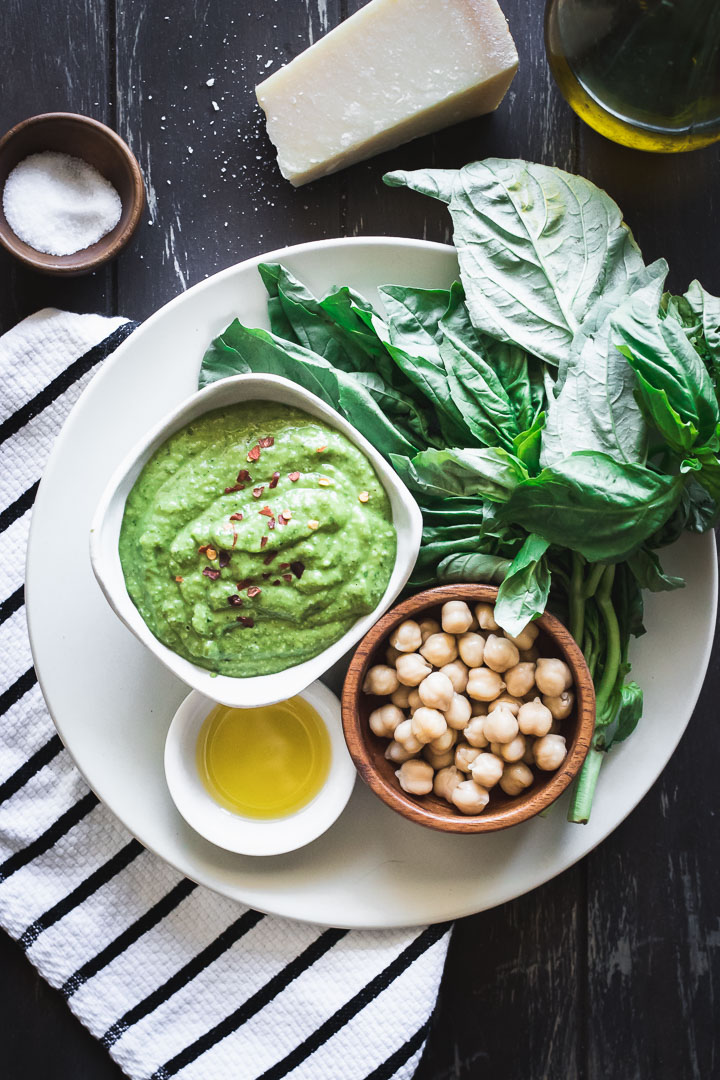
(266, 762)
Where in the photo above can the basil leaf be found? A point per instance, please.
(528, 444)
(626, 719)
(413, 318)
(473, 568)
(537, 247)
(706, 308)
(595, 505)
(491, 473)
(649, 574)
(524, 593)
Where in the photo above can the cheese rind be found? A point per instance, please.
(393, 71)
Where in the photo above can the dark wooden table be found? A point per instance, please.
(611, 971)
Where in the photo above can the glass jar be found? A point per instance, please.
(645, 73)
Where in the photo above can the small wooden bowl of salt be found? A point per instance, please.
(72, 193)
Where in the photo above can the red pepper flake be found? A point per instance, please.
(212, 574)
(266, 441)
(294, 476)
(274, 480)
(253, 454)
(269, 558)
(285, 515)
(244, 477)
(236, 517)
(257, 492)
(284, 565)
(319, 449)
(276, 581)
(271, 523)
(266, 511)
(254, 590)
(263, 541)
(243, 584)
(246, 620)
(223, 559)
(298, 568)
(288, 578)
(266, 576)
(203, 549)
(235, 601)
(179, 580)
(236, 487)
(235, 536)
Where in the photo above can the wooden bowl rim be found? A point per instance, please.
(412, 808)
(108, 246)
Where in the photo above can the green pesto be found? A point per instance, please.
(178, 504)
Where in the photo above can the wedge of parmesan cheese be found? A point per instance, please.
(394, 70)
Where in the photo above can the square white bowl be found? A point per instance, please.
(105, 534)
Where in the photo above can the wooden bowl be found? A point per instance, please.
(82, 137)
(368, 750)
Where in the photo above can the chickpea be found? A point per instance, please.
(436, 691)
(407, 637)
(404, 735)
(412, 669)
(456, 617)
(445, 782)
(464, 757)
(401, 697)
(506, 701)
(470, 798)
(550, 752)
(471, 648)
(391, 656)
(484, 684)
(428, 627)
(500, 653)
(475, 732)
(439, 649)
(458, 714)
(396, 752)
(515, 749)
(427, 724)
(515, 778)
(487, 769)
(560, 706)
(384, 720)
(438, 759)
(520, 679)
(416, 777)
(444, 742)
(457, 673)
(552, 676)
(500, 726)
(526, 638)
(381, 680)
(535, 718)
(414, 701)
(485, 615)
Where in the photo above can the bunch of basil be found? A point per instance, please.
(554, 412)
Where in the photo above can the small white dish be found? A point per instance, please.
(106, 523)
(255, 836)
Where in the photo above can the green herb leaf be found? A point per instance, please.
(649, 574)
(473, 567)
(524, 592)
(491, 473)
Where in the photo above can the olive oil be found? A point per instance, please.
(644, 73)
(267, 762)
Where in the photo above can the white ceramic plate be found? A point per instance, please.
(112, 701)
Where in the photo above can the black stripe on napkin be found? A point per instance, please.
(33, 765)
(16, 509)
(17, 690)
(12, 604)
(182, 977)
(390, 1066)
(141, 926)
(63, 825)
(64, 381)
(85, 889)
(253, 1005)
(351, 1008)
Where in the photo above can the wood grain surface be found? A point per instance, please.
(611, 971)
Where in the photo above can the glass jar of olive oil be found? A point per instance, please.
(645, 73)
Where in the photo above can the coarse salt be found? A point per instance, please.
(59, 204)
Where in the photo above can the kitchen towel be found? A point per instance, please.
(173, 979)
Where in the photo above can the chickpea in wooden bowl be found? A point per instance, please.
(458, 726)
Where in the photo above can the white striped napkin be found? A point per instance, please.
(174, 980)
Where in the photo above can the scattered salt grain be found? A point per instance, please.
(59, 204)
